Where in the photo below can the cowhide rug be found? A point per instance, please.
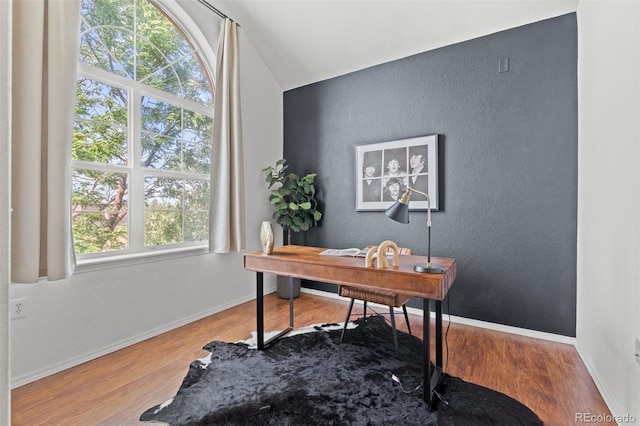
(313, 379)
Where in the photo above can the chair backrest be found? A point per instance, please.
(402, 250)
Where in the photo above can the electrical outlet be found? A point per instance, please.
(637, 354)
(18, 308)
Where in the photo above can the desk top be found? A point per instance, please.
(306, 263)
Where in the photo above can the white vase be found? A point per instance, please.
(266, 237)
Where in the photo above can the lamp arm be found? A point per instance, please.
(410, 189)
(399, 212)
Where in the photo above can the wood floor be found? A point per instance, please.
(115, 389)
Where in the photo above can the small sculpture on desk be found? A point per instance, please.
(378, 254)
(266, 237)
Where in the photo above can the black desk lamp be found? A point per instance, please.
(399, 211)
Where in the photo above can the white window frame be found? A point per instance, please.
(137, 252)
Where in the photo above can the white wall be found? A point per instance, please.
(609, 199)
(98, 311)
(5, 197)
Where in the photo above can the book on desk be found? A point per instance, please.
(352, 252)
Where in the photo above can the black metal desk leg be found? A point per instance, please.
(291, 302)
(427, 391)
(261, 342)
(260, 309)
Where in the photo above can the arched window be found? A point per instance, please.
(143, 131)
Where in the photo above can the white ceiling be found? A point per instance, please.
(305, 41)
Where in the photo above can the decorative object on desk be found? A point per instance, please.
(297, 380)
(266, 237)
(293, 197)
(385, 169)
(399, 211)
(378, 254)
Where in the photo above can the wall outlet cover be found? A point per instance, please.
(18, 308)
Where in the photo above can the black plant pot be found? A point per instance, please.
(282, 283)
(283, 287)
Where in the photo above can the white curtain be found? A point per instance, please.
(44, 67)
(226, 213)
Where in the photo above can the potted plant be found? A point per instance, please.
(293, 197)
(295, 205)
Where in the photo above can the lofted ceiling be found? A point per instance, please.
(304, 41)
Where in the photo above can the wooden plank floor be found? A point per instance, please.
(115, 389)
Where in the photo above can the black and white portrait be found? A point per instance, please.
(385, 170)
(419, 168)
(372, 176)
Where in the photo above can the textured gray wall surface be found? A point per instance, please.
(508, 162)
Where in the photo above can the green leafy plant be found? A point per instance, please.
(293, 197)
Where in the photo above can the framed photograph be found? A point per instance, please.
(385, 169)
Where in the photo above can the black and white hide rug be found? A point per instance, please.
(313, 379)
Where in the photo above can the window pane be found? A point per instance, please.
(118, 58)
(159, 152)
(198, 134)
(159, 44)
(196, 82)
(99, 211)
(163, 211)
(166, 80)
(117, 13)
(176, 210)
(101, 121)
(106, 41)
(157, 29)
(197, 157)
(196, 194)
(185, 78)
(196, 226)
(197, 127)
(90, 233)
(101, 101)
(161, 228)
(161, 117)
(163, 193)
(98, 143)
(196, 206)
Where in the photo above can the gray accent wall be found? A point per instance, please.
(508, 163)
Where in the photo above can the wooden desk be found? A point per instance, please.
(306, 263)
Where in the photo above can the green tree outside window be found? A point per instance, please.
(141, 149)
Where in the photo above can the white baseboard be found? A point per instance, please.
(606, 395)
(89, 356)
(72, 362)
(466, 321)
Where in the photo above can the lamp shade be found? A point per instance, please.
(399, 212)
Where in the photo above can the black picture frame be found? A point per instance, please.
(384, 169)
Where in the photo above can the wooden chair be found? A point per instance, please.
(383, 297)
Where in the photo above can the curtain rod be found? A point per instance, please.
(214, 10)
